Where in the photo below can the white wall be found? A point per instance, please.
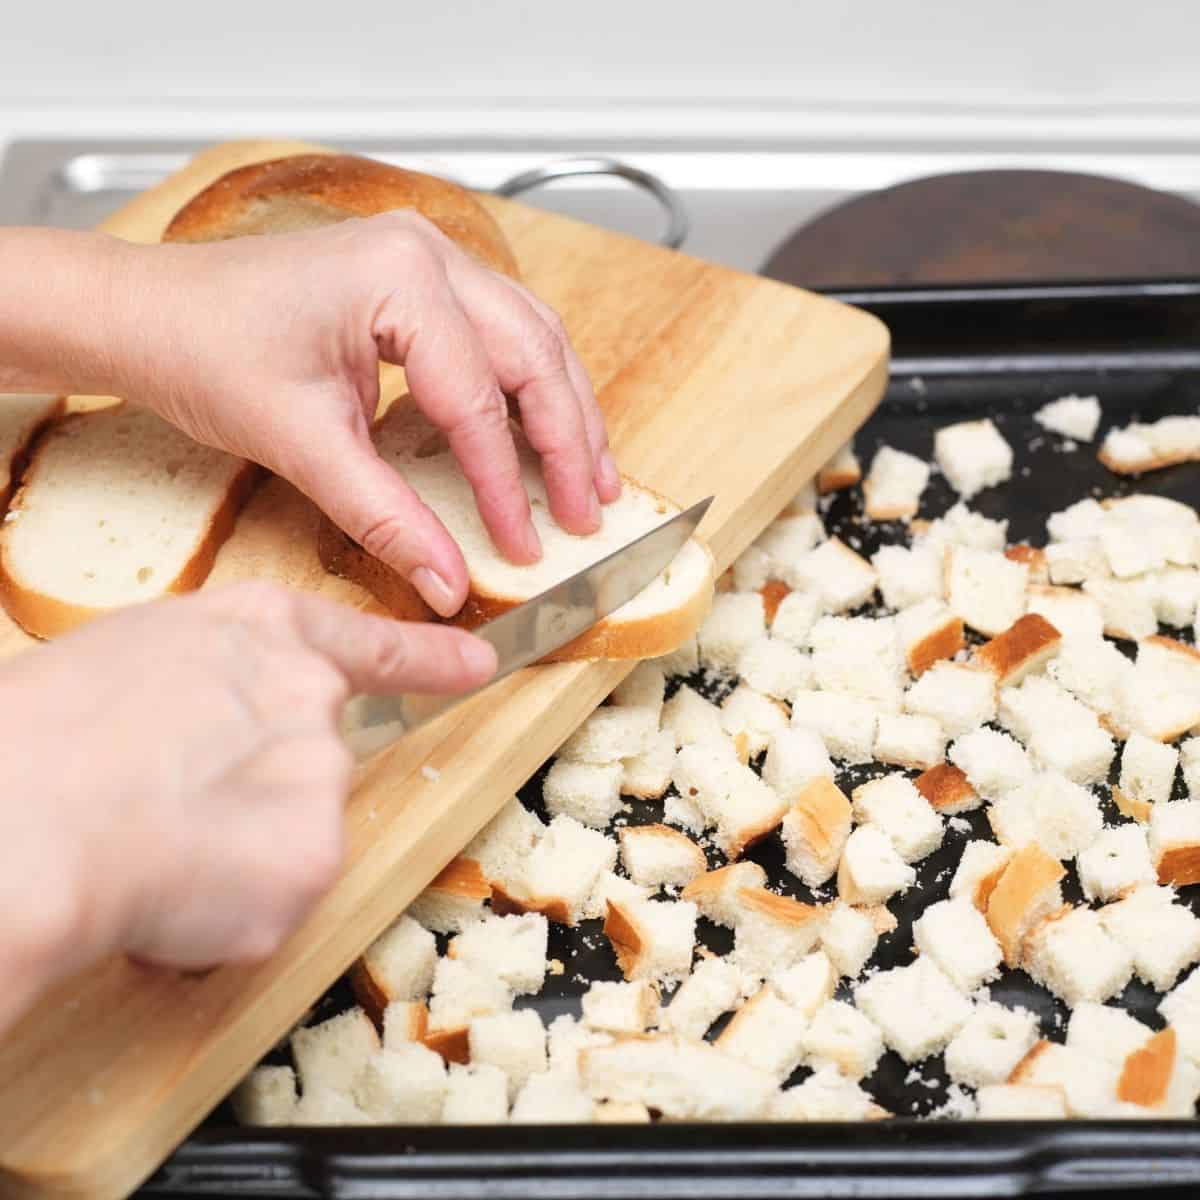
(372, 65)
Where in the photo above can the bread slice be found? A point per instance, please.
(657, 621)
(22, 419)
(116, 507)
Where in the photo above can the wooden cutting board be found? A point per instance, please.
(712, 382)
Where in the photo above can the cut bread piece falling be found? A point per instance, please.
(656, 622)
(136, 508)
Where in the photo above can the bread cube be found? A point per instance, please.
(655, 855)
(1061, 733)
(959, 526)
(871, 870)
(1126, 605)
(684, 661)
(611, 733)
(644, 687)
(402, 1086)
(454, 899)
(978, 872)
(1117, 860)
(990, 1045)
(993, 762)
(984, 588)
(1076, 561)
(1175, 842)
(928, 632)
(1148, 769)
(1175, 594)
(751, 570)
(1075, 417)
(916, 1007)
(893, 487)
(826, 1095)
(795, 759)
(744, 814)
(773, 666)
(647, 776)
(947, 789)
(1083, 519)
(326, 1106)
(1028, 890)
(773, 931)
(752, 718)
(1163, 937)
(841, 471)
(842, 578)
(713, 988)
(717, 893)
(736, 620)
(652, 939)
(973, 456)
(565, 1039)
(405, 1021)
(1094, 671)
(840, 1036)
(1106, 1033)
(1073, 613)
(396, 966)
(499, 849)
(905, 740)
(267, 1096)
(1182, 1009)
(332, 1053)
(1023, 649)
(1020, 1102)
(786, 542)
(682, 1080)
(954, 934)
(620, 1007)
(1062, 816)
(684, 812)
(893, 805)
(845, 723)
(1161, 698)
(691, 718)
(476, 1094)
(513, 1041)
(795, 617)
(1189, 757)
(766, 1033)
(463, 991)
(909, 577)
(1088, 1085)
(848, 939)
(1076, 958)
(1127, 550)
(1158, 1080)
(547, 1099)
(815, 830)
(957, 697)
(512, 948)
(588, 792)
(806, 984)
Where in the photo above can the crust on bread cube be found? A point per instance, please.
(826, 1095)
(955, 696)
(405, 1085)
(617, 1007)
(815, 829)
(752, 717)
(1106, 1033)
(589, 792)
(652, 939)
(1175, 842)
(267, 1096)
(774, 666)
(1074, 956)
(713, 988)
(893, 805)
(1163, 937)
(765, 1033)
(1119, 859)
(994, 763)
(984, 588)
(947, 789)
(954, 934)
(848, 939)
(647, 776)
(773, 931)
(717, 894)
(987, 1049)
(840, 1036)
(871, 871)
(611, 733)
(978, 871)
(928, 632)
(1028, 890)
(1022, 649)
(973, 456)
(691, 718)
(513, 948)
(1157, 1080)
(916, 1007)
(906, 740)
(454, 898)
(736, 620)
(909, 577)
(845, 723)
(842, 471)
(892, 489)
(842, 578)
(806, 984)
(405, 1021)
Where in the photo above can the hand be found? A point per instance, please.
(179, 779)
(269, 347)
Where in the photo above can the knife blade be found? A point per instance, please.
(527, 633)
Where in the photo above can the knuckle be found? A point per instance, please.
(391, 654)
(388, 538)
(545, 350)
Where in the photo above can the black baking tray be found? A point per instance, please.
(1001, 351)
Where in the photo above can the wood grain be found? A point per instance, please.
(713, 382)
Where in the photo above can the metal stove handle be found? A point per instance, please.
(565, 168)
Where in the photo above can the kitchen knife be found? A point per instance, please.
(529, 632)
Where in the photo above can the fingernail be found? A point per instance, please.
(478, 657)
(609, 476)
(435, 591)
(533, 543)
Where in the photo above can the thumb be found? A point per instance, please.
(371, 502)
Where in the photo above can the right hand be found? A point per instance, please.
(176, 780)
